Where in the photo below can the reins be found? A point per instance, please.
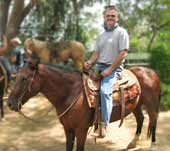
(35, 120)
(69, 107)
(75, 99)
(20, 102)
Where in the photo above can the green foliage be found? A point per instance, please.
(87, 55)
(138, 45)
(61, 20)
(151, 17)
(163, 37)
(134, 44)
(165, 101)
(160, 61)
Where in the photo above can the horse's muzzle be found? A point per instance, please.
(13, 104)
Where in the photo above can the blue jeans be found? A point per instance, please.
(106, 88)
(5, 62)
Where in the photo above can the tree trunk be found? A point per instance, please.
(4, 9)
(10, 25)
(151, 40)
(15, 18)
(155, 30)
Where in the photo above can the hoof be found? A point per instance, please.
(153, 147)
(2, 119)
(131, 145)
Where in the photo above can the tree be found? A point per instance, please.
(13, 12)
(151, 17)
(61, 20)
(58, 17)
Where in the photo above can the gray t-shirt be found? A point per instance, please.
(110, 43)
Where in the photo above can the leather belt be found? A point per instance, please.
(100, 63)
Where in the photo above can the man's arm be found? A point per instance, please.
(5, 45)
(92, 60)
(122, 54)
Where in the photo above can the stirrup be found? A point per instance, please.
(100, 132)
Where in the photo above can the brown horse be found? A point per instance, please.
(59, 52)
(64, 89)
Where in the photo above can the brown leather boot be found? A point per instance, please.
(100, 132)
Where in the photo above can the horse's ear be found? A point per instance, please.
(33, 61)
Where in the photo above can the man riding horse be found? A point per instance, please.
(111, 46)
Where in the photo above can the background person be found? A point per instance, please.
(4, 60)
(110, 51)
(17, 54)
(4, 46)
(5, 66)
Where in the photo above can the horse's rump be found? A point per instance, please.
(65, 50)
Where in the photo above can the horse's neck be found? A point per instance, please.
(61, 88)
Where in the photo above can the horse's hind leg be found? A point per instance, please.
(153, 116)
(1, 107)
(153, 110)
(70, 137)
(139, 120)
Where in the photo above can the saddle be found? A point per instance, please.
(127, 83)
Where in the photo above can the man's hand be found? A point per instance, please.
(106, 72)
(117, 62)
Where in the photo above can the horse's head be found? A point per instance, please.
(26, 86)
(29, 45)
(39, 47)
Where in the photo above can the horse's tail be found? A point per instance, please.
(158, 105)
(152, 129)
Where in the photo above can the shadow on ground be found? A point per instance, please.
(20, 134)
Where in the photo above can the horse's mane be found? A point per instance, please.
(65, 68)
(39, 43)
(63, 72)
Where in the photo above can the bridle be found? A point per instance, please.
(27, 88)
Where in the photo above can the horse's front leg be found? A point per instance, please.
(81, 136)
(70, 137)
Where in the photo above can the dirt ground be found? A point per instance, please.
(20, 134)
